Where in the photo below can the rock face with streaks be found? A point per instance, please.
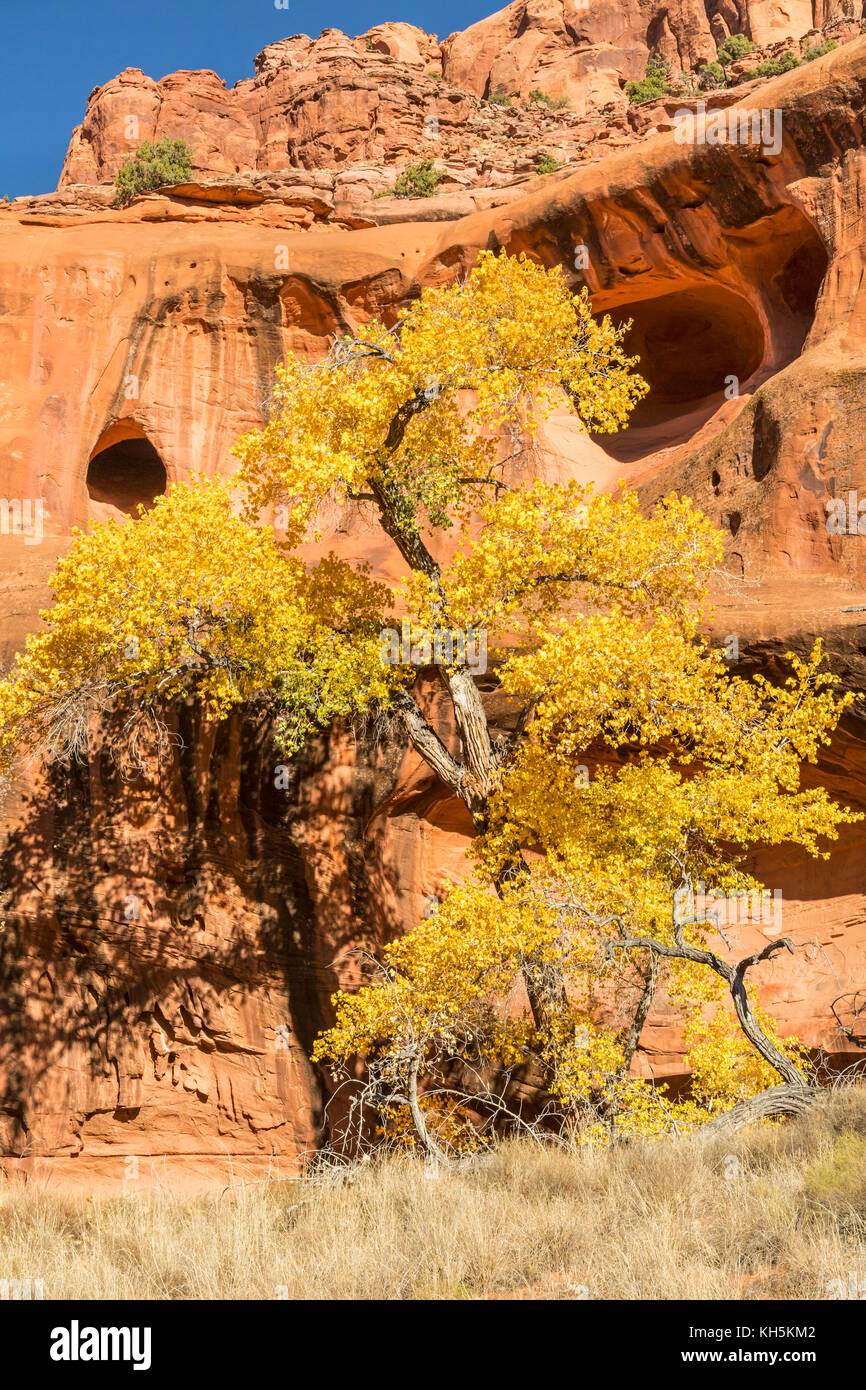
(173, 937)
(335, 102)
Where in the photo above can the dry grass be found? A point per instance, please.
(778, 1213)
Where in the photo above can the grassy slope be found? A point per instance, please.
(778, 1213)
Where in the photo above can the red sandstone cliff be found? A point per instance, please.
(145, 339)
(336, 101)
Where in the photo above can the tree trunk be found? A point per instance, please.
(757, 1037)
(780, 1100)
(431, 1149)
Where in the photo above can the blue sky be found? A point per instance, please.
(54, 52)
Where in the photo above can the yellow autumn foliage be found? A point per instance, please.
(190, 597)
(460, 368)
(537, 966)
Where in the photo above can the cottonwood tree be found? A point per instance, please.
(577, 910)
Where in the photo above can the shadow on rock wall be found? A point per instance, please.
(173, 941)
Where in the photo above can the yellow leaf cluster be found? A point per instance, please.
(460, 365)
(190, 597)
(692, 766)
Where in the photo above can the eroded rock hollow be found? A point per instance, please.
(172, 941)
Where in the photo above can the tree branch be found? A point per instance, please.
(791, 1099)
(427, 742)
(651, 979)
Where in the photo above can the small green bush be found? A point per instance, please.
(418, 181)
(810, 53)
(712, 77)
(499, 99)
(554, 103)
(153, 166)
(436, 75)
(655, 82)
(772, 67)
(838, 1185)
(546, 164)
(735, 46)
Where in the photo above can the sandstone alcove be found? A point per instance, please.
(125, 469)
(701, 342)
(691, 343)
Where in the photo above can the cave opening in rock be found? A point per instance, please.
(693, 345)
(127, 474)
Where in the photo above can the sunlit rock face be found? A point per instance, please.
(174, 936)
(334, 100)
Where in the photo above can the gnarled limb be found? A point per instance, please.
(749, 1024)
(651, 979)
(849, 1011)
(427, 742)
(735, 977)
(779, 1100)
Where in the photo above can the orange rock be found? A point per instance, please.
(173, 941)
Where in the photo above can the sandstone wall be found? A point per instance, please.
(158, 1034)
(335, 100)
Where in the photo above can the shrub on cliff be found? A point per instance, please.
(654, 84)
(153, 166)
(813, 51)
(418, 181)
(712, 77)
(547, 164)
(734, 46)
(581, 889)
(553, 103)
(771, 67)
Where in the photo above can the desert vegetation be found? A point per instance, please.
(543, 99)
(636, 767)
(419, 180)
(775, 1213)
(655, 83)
(716, 74)
(153, 166)
(660, 80)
